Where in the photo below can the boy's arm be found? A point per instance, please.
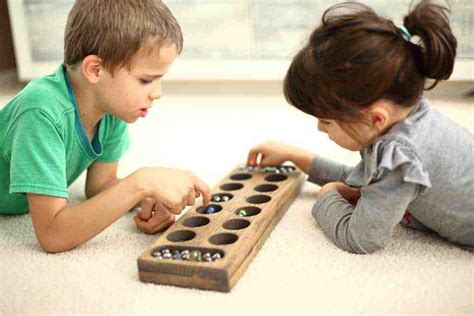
(101, 176)
(59, 227)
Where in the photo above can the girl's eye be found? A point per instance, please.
(324, 122)
(144, 81)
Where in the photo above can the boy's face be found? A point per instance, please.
(130, 92)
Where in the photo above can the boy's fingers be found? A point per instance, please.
(146, 208)
(160, 207)
(176, 209)
(159, 221)
(164, 225)
(201, 187)
(173, 205)
(191, 198)
(140, 223)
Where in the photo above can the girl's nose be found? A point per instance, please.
(321, 127)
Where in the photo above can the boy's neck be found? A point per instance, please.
(87, 104)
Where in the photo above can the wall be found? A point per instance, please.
(7, 57)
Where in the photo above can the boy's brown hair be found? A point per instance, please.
(115, 30)
(355, 58)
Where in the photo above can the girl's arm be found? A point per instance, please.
(322, 171)
(366, 227)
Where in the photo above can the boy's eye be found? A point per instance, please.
(144, 81)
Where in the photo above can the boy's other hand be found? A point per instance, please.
(153, 217)
(174, 189)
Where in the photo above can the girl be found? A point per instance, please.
(363, 78)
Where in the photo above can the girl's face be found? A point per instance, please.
(338, 135)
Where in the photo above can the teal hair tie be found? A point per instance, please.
(405, 34)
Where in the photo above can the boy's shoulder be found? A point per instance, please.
(47, 94)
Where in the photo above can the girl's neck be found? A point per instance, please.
(396, 115)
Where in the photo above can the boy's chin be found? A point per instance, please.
(128, 119)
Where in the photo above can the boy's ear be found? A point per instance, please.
(92, 68)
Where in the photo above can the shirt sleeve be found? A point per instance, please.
(116, 141)
(37, 156)
(324, 170)
(366, 228)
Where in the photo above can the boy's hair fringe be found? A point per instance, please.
(116, 30)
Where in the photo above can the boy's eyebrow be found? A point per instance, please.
(153, 75)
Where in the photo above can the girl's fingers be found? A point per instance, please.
(253, 156)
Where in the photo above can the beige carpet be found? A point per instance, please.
(297, 271)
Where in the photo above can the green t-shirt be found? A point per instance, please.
(43, 144)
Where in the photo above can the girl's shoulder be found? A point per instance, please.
(385, 156)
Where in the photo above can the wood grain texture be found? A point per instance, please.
(243, 236)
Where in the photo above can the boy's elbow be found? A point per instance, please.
(52, 244)
(49, 246)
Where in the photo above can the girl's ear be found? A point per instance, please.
(92, 68)
(379, 116)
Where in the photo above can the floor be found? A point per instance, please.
(208, 128)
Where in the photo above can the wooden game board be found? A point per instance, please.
(265, 196)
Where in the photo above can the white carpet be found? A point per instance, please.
(297, 271)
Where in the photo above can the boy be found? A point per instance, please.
(116, 53)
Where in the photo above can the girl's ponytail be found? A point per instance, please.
(430, 22)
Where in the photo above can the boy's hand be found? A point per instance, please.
(352, 195)
(269, 154)
(175, 189)
(153, 217)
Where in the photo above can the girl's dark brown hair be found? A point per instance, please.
(355, 58)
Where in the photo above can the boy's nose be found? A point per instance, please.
(155, 96)
(156, 93)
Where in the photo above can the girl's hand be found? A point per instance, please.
(270, 154)
(352, 195)
(153, 217)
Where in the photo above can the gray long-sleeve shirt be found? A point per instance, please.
(424, 165)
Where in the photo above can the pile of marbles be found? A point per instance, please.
(276, 169)
(193, 255)
(220, 198)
